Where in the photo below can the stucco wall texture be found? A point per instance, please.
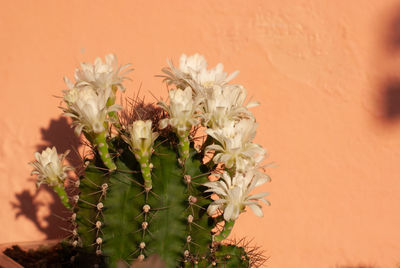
(326, 74)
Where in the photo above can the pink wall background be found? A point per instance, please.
(325, 72)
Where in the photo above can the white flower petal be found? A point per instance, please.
(228, 212)
(257, 210)
(212, 208)
(258, 196)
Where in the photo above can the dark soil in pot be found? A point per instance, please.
(56, 256)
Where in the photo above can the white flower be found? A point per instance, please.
(102, 75)
(182, 111)
(87, 108)
(234, 195)
(193, 72)
(49, 167)
(235, 148)
(216, 76)
(192, 65)
(141, 138)
(189, 67)
(257, 175)
(223, 104)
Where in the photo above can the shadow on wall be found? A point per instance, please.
(391, 100)
(54, 225)
(390, 86)
(61, 135)
(391, 37)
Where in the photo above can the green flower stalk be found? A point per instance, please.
(102, 147)
(141, 140)
(89, 111)
(225, 232)
(50, 169)
(182, 116)
(91, 100)
(103, 76)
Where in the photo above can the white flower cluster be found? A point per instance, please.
(91, 98)
(50, 168)
(204, 96)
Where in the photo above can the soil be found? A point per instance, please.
(59, 255)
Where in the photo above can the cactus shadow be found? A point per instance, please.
(389, 86)
(391, 38)
(390, 100)
(58, 133)
(28, 205)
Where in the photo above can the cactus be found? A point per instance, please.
(154, 185)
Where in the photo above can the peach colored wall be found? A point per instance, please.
(326, 73)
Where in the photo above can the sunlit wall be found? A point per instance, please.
(325, 72)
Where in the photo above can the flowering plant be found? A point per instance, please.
(153, 184)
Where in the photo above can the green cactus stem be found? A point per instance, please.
(102, 147)
(94, 187)
(60, 190)
(152, 204)
(136, 224)
(118, 219)
(198, 201)
(231, 256)
(225, 232)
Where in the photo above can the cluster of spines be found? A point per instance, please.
(88, 212)
(145, 214)
(99, 217)
(199, 225)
